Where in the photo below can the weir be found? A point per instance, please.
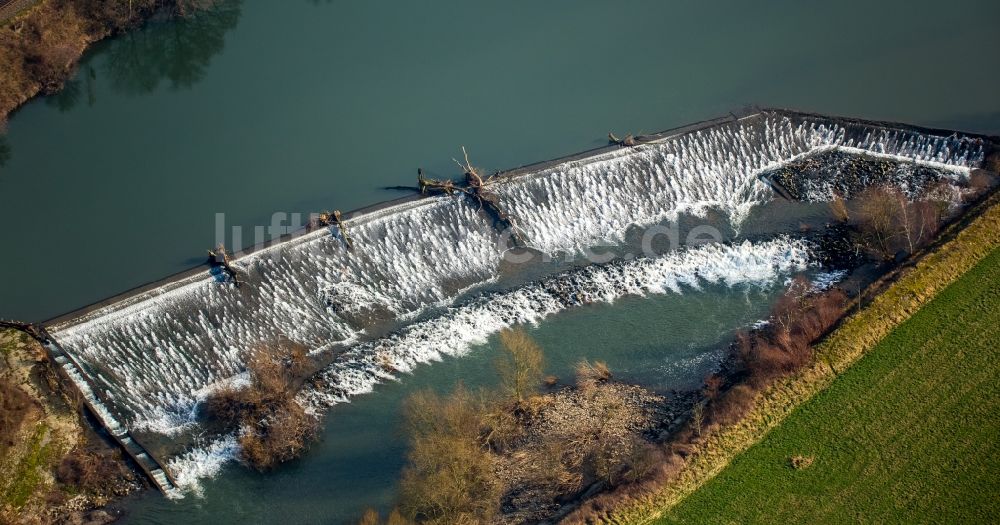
(143, 360)
(147, 462)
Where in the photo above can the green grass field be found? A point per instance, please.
(909, 434)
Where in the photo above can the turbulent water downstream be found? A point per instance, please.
(440, 272)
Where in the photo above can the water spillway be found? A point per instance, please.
(151, 357)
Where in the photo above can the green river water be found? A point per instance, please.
(299, 106)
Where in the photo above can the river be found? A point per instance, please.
(260, 108)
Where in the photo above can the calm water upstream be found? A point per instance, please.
(309, 105)
(299, 106)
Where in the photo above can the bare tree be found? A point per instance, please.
(450, 476)
(698, 417)
(838, 206)
(520, 366)
(878, 215)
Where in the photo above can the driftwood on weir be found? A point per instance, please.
(36, 332)
(333, 218)
(475, 187)
(221, 258)
(628, 141)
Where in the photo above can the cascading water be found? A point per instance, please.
(153, 356)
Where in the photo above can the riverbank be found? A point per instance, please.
(373, 244)
(582, 439)
(901, 294)
(919, 411)
(53, 467)
(41, 45)
(586, 449)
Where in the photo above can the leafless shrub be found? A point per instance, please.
(697, 417)
(370, 517)
(765, 358)
(274, 428)
(610, 457)
(890, 222)
(733, 405)
(981, 181)
(642, 461)
(557, 467)
(590, 374)
(520, 366)
(91, 471)
(789, 307)
(799, 317)
(228, 404)
(839, 209)
(801, 462)
(282, 435)
(449, 477)
(878, 218)
(500, 427)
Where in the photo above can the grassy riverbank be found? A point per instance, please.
(53, 468)
(913, 288)
(908, 434)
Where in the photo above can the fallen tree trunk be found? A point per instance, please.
(475, 187)
(220, 258)
(333, 219)
(628, 141)
(343, 230)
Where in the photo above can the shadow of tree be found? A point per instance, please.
(178, 50)
(66, 98)
(4, 150)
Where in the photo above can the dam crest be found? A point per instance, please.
(414, 287)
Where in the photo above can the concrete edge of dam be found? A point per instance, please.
(515, 172)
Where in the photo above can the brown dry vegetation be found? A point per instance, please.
(460, 440)
(39, 48)
(838, 206)
(890, 222)
(274, 428)
(513, 455)
(52, 469)
(773, 373)
(521, 364)
(450, 473)
(15, 406)
(395, 517)
(758, 358)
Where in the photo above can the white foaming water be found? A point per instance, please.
(151, 357)
(155, 357)
(583, 203)
(202, 462)
(455, 332)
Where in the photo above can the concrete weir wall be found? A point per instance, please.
(70, 317)
(97, 399)
(200, 270)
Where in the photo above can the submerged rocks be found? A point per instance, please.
(821, 176)
(837, 247)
